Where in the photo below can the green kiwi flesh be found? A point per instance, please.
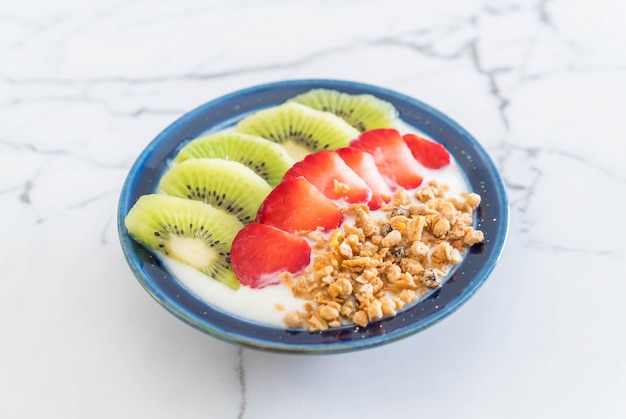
(266, 158)
(362, 111)
(224, 184)
(299, 128)
(188, 231)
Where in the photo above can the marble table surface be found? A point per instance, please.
(85, 85)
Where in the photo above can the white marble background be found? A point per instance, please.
(84, 86)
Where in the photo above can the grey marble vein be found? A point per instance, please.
(241, 376)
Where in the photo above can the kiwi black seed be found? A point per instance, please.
(300, 129)
(188, 231)
(224, 184)
(266, 158)
(362, 111)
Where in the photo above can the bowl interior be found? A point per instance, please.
(466, 278)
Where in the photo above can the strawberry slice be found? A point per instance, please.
(364, 165)
(428, 153)
(392, 156)
(260, 252)
(296, 205)
(332, 176)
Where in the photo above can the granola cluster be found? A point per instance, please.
(371, 268)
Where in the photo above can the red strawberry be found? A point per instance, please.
(260, 252)
(324, 169)
(392, 156)
(364, 165)
(428, 153)
(296, 205)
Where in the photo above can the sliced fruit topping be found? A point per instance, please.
(260, 252)
(332, 176)
(364, 165)
(266, 158)
(224, 184)
(392, 156)
(188, 231)
(364, 112)
(428, 153)
(299, 128)
(296, 205)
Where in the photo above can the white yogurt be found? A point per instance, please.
(266, 305)
(270, 304)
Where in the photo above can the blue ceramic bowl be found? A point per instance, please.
(466, 279)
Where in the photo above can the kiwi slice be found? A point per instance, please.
(266, 158)
(188, 231)
(364, 111)
(300, 129)
(224, 184)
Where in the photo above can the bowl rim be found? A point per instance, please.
(235, 105)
